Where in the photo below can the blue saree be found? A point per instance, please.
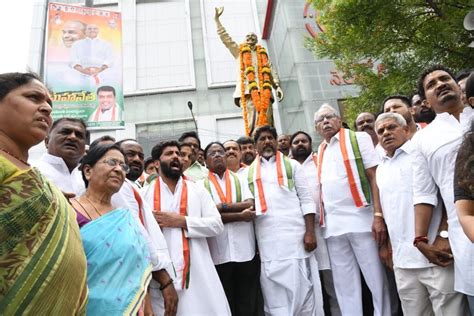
(118, 267)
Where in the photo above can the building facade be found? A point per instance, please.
(172, 56)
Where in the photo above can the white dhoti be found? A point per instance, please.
(292, 287)
(347, 254)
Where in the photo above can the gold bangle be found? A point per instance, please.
(379, 214)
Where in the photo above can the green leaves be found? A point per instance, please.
(404, 36)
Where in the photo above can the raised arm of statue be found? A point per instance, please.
(232, 46)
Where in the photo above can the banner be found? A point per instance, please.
(83, 64)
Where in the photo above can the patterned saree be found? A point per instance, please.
(42, 261)
(118, 264)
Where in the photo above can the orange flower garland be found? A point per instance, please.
(243, 100)
(260, 93)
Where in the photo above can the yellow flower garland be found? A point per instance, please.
(260, 93)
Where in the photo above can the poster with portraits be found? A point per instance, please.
(83, 64)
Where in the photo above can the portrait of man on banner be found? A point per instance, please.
(84, 57)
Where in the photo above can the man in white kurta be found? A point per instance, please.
(93, 57)
(301, 151)
(435, 148)
(204, 294)
(350, 230)
(424, 288)
(285, 231)
(233, 250)
(66, 146)
(129, 197)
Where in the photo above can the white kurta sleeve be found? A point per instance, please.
(425, 189)
(209, 223)
(158, 241)
(303, 190)
(153, 254)
(244, 187)
(156, 244)
(76, 53)
(370, 158)
(108, 54)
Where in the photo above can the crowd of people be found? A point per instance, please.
(261, 225)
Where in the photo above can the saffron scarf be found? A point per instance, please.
(98, 114)
(41, 252)
(138, 198)
(354, 166)
(233, 192)
(118, 269)
(285, 180)
(183, 205)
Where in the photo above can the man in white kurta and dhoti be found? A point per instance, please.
(353, 226)
(424, 288)
(92, 57)
(284, 230)
(301, 151)
(233, 251)
(187, 215)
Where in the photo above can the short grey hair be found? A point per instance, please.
(325, 106)
(390, 116)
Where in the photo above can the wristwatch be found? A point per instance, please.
(443, 234)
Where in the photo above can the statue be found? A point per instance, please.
(253, 92)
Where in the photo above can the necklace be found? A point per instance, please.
(14, 156)
(83, 208)
(95, 208)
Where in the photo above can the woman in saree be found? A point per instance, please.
(42, 261)
(119, 262)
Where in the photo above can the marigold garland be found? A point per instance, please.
(260, 93)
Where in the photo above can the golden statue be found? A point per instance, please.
(253, 92)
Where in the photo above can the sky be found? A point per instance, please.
(15, 24)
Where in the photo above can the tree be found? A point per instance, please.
(403, 36)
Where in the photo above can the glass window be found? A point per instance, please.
(149, 135)
(239, 19)
(164, 54)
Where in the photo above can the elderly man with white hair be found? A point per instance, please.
(353, 226)
(423, 287)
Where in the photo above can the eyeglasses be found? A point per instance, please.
(115, 162)
(216, 153)
(324, 116)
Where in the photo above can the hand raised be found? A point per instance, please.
(219, 11)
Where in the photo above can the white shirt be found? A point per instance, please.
(90, 52)
(435, 149)
(237, 242)
(205, 295)
(156, 243)
(394, 179)
(342, 216)
(54, 168)
(380, 151)
(106, 116)
(281, 229)
(311, 173)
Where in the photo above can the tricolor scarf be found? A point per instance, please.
(233, 192)
(183, 205)
(285, 180)
(98, 113)
(358, 182)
